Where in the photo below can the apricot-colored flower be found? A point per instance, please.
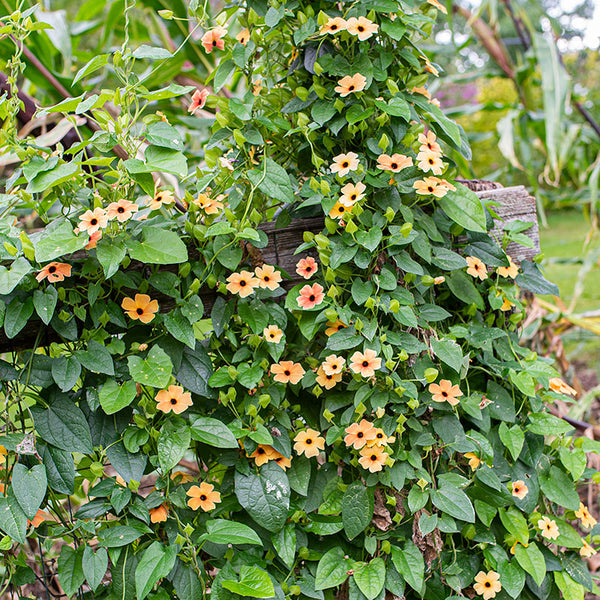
(519, 489)
(338, 211)
(506, 304)
(159, 514)
(198, 100)
(380, 438)
(358, 434)
(362, 27)
(334, 25)
(474, 460)
(93, 241)
(352, 193)
(309, 443)
(394, 163)
(207, 204)
(586, 550)
(173, 399)
(365, 363)
(122, 210)
(350, 85)
(160, 198)
(181, 477)
(373, 458)
(263, 454)
(476, 268)
(438, 280)
(511, 271)
(214, 39)
(334, 327)
(584, 515)
(93, 220)
(443, 9)
(430, 185)
(548, 527)
(333, 364)
(140, 307)
(429, 67)
(268, 277)
(203, 497)
(287, 371)
(487, 584)
(243, 37)
(39, 518)
(306, 267)
(3, 454)
(430, 161)
(310, 296)
(226, 163)
(559, 386)
(421, 90)
(344, 163)
(242, 283)
(272, 334)
(429, 142)
(284, 462)
(54, 271)
(445, 392)
(327, 381)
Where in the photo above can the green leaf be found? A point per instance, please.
(464, 207)
(213, 432)
(114, 397)
(322, 111)
(253, 583)
(9, 279)
(532, 561)
(130, 466)
(173, 441)
(13, 521)
(558, 487)
(410, 564)
(96, 358)
(574, 460)
(530, 278)
(369, 239)
(195, 371)
(344, 339)
(221, 531)
(45, 303)
(65, 372)
(120, 535)
(222, 74)
(151, 53)
(449, 352)
(370, 578)
(548, 424)
(154, 370)
(57, 239)
(110, 252)
(284, 543)
(70, 570)
(155, 564)
(16, 316)
(186, 583)
(462, 286)
(180, 328)
(47, 179)
(159, 247)
(91, 66)
(571, 589)
(164, 135)
(513, 438)
(272, 180)
(94, 566)
(332, 569)
(454, 502)
(515, 523)
(29, 486)
(265, 496)
(60, 468)
(357, 509)
(579, 571)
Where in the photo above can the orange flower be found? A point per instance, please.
(487, 584)
(506, 304)
(93, 241)
(159, 514)
(198, 100)
(445, 392)
(214, 39)
(421, 90)
(474, 460)
(430, 185)
(54, 271)
(511, 271)
(338, 211)
(92, 221)
(121, 210)
(334, 327)
(430, 161)
(333, 365)
(327, 381)
(352, 193)
(243, 37)
(549, 528)
(309, 443)
(208, 205)
(519, 489)
(203, 497)
(284, 462)
(272, 334)
(181, 477)
(476, 268)
(443, 9)
(286, 371)
(559, 386)
(429, 142)
(349, 85)
(268, 277)
(310, 296)
(380, 438)
(394, 163)
(439, 279)
(587, 520)
(429, 67)
(263, 454)
(39, 518)
(226, 163)
(333, 25)
(140, 307)
(344, 163)
(242, 283)
(3, 454)
(358, 434)
(586, 550)
(365, 363)
(362, 27)
(173, 399)
(373, 458)
(160, 198)
(306, 267)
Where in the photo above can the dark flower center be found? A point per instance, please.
(487, 584)
(360, 434)
(360, 28)
(445, 394)
(139, 311)
(365, 363)
(350, 88)
(287, 373)
(328, 376)
(261, 450)
(379, 436)
(312, 297)
(203, 497)
(308, 441)
(430, 189)
(345, 164)
(120, 210)
(173, 400)
(94, 222)
(373, 457)
(266, 278)
(394, 165)
(214, 43)
(333, 27)
(51, 269)
(353, 197)
(308, 269)
(242, 283)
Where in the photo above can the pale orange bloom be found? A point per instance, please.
(121, 210)
(263, 454)
(3, 454)
(430, 185)
(506, 304)
(333, 364)
(287, 371)
(549, 528)
(559, 386)
(362, 27)
(511, 271)
(268, 277)
(476, 268)
(584, 515)
(586, 550)
(352, 193)
(474, 460)
(243, 37)
(333, 25)
(207, 204)
(198, 100)
(173, 399)
(39, 518)
(92, 221)
(334, 327)
(242, 283)
(257, 86)
(358, 434)
(327, 381)
(443, 9)
(226, 163)
(310, 296)
(445, 392)
(203, 497)
(429, 142)
(140, 307)
(430, 161)
(344, 163)
(181, 477)
(349, 85)
(272, 334)
(380, 438)
(519, 489)
(394, 163)
(93, 241)
(160, 198)
(338, 211)
(159, 514)
(421, 90)
(429, 67)
(373, 458)
(365, 363)
(54, 271)
(214, 39)
(306, 267)
(439, 279)
(284, 462)
(487, 584)
(309, 443)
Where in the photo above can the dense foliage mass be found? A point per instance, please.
(203, 425)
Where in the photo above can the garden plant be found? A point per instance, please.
(189, 420)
